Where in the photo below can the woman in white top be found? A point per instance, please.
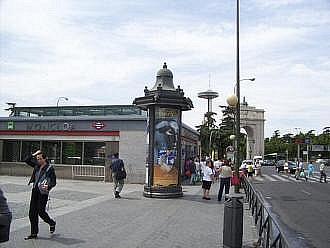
(208, 177)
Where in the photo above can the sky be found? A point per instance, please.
(105, 52)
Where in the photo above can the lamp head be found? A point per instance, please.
(232, 100)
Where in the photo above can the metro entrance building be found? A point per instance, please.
(81, 135)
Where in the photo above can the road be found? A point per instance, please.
(303, 207)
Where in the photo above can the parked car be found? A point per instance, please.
(291, 165)
(268, 162)
(325, 161)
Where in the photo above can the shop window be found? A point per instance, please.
(53, 150)
(72, 153)
(94, 153)
(29, 147)
(11, 150)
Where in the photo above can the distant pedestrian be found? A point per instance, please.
(193, 173)
(302, 174)
(208, 177)
(198, 169)
(250, 170)
(44, 179)
(286, 168)
(310, 169)
(118, 174)
(217, 167)
(5, 218)
(300, 167)
(225, 174)
(322, 173)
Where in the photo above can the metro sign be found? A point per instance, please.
(98, 125)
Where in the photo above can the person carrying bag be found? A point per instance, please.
(44, 179)
(118, 174)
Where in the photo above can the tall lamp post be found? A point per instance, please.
(234, 100)
(58, 100)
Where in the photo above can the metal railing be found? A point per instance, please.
(88, 171)
(270, 233)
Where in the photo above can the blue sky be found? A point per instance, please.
(105, 52)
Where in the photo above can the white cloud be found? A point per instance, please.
(99, 52)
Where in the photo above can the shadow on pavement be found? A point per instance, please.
(63, 240)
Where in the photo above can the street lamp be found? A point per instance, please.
(244, 79)
(58, 100)
(238, 127)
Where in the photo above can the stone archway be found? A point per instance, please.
(252, 120)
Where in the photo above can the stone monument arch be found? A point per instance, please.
(252, 120)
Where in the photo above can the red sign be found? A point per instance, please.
(299, 141)
(98, 125)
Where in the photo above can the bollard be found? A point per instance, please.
(233, 222)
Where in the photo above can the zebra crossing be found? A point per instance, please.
(281, 177)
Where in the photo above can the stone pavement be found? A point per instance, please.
(88, 215)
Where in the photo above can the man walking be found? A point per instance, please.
(43, 179)
(118, 174)
(322, 173)
(5, 218)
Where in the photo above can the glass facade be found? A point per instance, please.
(53, 150)
(61, 152)
(29, 147)
(11, 150)
(102, 110)
(94, 153)
(72, 153)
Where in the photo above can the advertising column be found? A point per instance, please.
(166, 141)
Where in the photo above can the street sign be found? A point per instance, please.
(307, 141)
(10, 125)
(299, 141)
(305, 152)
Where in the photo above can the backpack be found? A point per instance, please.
(121, 173)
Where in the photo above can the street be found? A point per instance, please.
(303, 206)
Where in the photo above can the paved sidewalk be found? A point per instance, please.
(87, 215)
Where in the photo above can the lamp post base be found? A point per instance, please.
(162, 192)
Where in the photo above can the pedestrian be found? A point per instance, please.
(44, 179)
(193, 173)
(217, 167)
(300, 166)
(322, 173)
(310, 169)
(303, 174)
(225, 174)
(250, 170)
(198, 169)
(118, 174)
(208, 177)
(286, 168)
(5, 218)
(188, 170)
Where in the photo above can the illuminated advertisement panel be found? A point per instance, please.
(165, 147)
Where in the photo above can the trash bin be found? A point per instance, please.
(233, 222)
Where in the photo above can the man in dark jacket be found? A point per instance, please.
(118, 174)
(43, 179)
(5, 219)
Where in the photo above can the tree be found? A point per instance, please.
(205, 131)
